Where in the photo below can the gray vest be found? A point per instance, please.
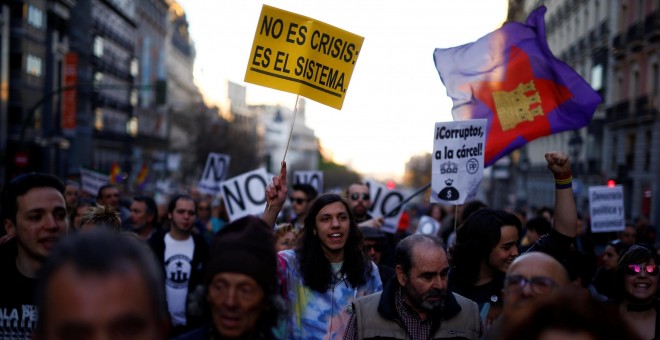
(465, 325)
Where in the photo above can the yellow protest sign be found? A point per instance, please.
(301, 55)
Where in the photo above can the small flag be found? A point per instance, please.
(142, 177)
(511, 78)
(115, 173)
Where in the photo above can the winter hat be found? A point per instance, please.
(245, 246)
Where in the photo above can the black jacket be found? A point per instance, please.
(200, 255)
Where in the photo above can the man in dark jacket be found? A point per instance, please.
(416, 303)
(182, 255)
(240, 283)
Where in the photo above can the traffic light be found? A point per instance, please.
(611, 183)
(390, 184)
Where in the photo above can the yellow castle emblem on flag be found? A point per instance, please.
(513, 107)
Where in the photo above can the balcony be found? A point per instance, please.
(593, 37)
(618, 46)
(618, 112)
(582, 45)
(652, 26)
(604, 29)
(635, 37)
(646, 105)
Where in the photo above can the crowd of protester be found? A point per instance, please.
(315, 266)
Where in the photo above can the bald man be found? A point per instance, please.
(530, 277)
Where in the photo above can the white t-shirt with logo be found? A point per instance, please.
(178, 258)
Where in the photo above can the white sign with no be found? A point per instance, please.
(215, 171)
(245, 194)
(383, 202)
(313, 178)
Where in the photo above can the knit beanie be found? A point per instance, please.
(245, 246)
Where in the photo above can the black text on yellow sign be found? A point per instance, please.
(297, 54)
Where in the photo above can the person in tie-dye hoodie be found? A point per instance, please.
(320, 279)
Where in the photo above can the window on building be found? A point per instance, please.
(597, 77)
(630, 151)
(634, 91)
(33, 65)
(615, 148)
(621, 22)
(135, 67)
(98, 78)
(35, 17)
(655, 85)
(98, 119)
(98, 46)
(132, 127)
(596, 11)
(647, 150)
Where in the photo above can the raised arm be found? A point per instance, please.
(275, 196)
(565, 216)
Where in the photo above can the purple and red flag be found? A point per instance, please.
(115, 173)
(511, 78)
(142, 177)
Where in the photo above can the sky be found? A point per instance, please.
(395, 94)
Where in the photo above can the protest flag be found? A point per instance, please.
(115, 173)
(511, 78)
(142, 176)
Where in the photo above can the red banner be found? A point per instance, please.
(69, 95)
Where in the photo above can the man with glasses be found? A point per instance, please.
(300, 198)
(359, 199)
(374, 242)
(530, 277)
(34, 217)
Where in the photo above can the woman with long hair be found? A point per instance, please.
(329, 270)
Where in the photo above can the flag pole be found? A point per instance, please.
(293, 121)
(288, 142)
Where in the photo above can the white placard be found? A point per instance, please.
(313, 178)
(215, 171)
(245, 194)
(458, 160)
(428, 225)
(606, 209)
(92, 181)
(383, 200)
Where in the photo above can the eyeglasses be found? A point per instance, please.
(634, 269)
(356, 196)
(539, 284)
(376, 247)
(297, 200)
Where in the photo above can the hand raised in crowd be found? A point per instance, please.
(275, 196)
(558, 163)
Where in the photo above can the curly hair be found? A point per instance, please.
(315, 267)
(475, 239)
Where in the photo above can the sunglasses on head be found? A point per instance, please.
(297, 200)
(634, 269)
(355, 196)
